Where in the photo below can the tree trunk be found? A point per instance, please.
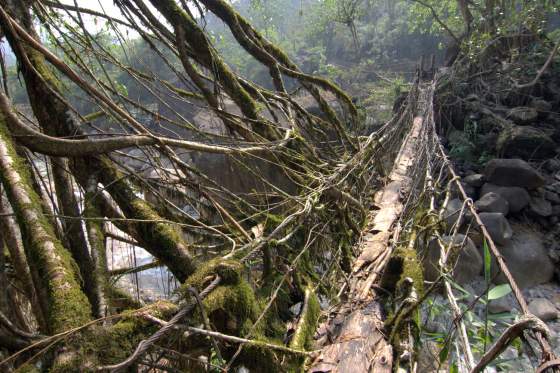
(68, 307)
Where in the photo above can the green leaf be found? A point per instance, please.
(499, 291)
(444, 353)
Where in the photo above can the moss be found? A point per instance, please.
(260, 358)
(28, 368)
(162, 239)
(101, 345)
(228, 270)
(68, 306)
(411, 268)
(307, 324)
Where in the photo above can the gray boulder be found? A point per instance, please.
(503, 304)
(475, 180)
(468, 263)
(523, 115)
(492, 202)
(452, 212)
(497, 226)
(470, 191)
(543, 309)
(526, 258)
(517, 197)
(552, 197)
(554, 187)
(513, 172)
(525, 142)
(540, 207)
(552, 165)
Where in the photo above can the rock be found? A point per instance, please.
(492, 202)
(540, 207)
(468, 263)
(475, 180)
(296, 308)
(512, 172)
(555, 210)
(470, 191)
(552, 197)
(523, 115)
(428, 358)
(503, 304)
(460, 147)
(525, 142)
(554, 187)
(497, 226)
(552, 165)
(543, 309)
(527, 259)
(517, 197)
(537, 192)
(452, 211)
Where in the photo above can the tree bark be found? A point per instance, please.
(67, 305)
(162, 240)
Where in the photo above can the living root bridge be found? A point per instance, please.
(253, 255)
(361, 345)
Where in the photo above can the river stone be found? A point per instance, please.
(504, 304)
(554, 187)
(525, 142)
(470, 191)
(512, 172)
(543, 309)
(523, 115)
(468, 264)
(552, 165)
(475, 180)
(492, 202)
(526, 258)
(540, 207)
(452, 211)
(497, 226)
(552, 197)
(517, 197)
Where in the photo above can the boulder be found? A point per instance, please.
(552, 197)
(497, 226)
(468, 263)
(523, 115)
(552, 165)
(540, 207)
(554, 187)
(475, 180)
(543, 309)
(526, 258)
(517, 197)
(512, 172)
(503, 304)
(492, 202)
(525, 142)
(470, 191)
(452, 211)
